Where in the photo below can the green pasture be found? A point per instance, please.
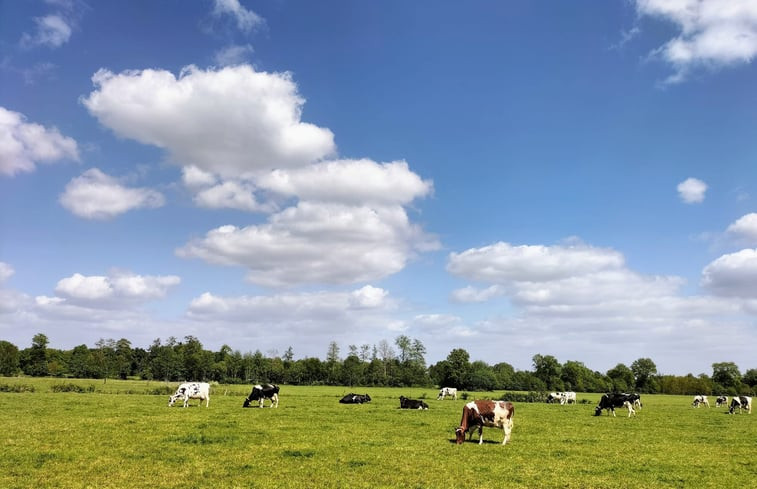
(121, 434)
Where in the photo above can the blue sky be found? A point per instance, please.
(573, 179)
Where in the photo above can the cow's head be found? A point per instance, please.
(246, 402)
(172, 399)
(598, 411)
(459, 435)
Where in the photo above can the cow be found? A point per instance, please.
(262, 392)
(191, 390)
(482, 413)
(721, 401)
(406, 403)
(447, 391)
(612, 400)
(741, 402)
(562, 397)
(355, 399)
(700, 401)
(628, 405)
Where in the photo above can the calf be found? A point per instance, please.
(497, 414)
(630, 408)
(355, 399)
(192, 390)
(406, 403)
(721, 401)
(447, 391)
(741, 402)
(262, 392)
(700, 401)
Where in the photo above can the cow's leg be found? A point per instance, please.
(480, 434)
(507, 426)
(613, 411)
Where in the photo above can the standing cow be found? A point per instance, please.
(262, 392)
(721, 401)
(447, 392)
(192, 390)
(482, 413)
(700, 401)
(613, 400)
(741, 402)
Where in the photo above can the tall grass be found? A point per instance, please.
(123, 435)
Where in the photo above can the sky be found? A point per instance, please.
(574, 179)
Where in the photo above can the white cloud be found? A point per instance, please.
(95, 195)
(52, 31)
(504, 263)
(246, 20)
(233, 122)
(713, 33)
(472, 294)
(116, 289)
(745, 228)
(233, 55)
(6, 271)
(692, 190)
(316, 243)
(732, 275)
(350, 182)
(23, 145)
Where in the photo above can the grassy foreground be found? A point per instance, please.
(119, 435)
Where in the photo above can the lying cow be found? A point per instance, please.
(262, 392)
(700, 401)
(406, 403)
(741, 402)
(447, 392)
(355, 399)
(192, 390)
(614, 400)
(477, 414)
(721, 401)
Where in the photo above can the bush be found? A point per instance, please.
(72, 388)
(163, 390)
(532, 396)
(16, 388)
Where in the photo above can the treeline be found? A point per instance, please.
(399, 364)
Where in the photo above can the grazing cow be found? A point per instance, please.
(192, 390)
(562, 397)
(355, 398)
(721, 401)
(406, 403)
(616, 399)
(447, 391)
(497, 414)
(741, 402)
(700, 400)
(262, 392)
(628, 405)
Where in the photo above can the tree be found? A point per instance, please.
(727, 375)
(548, 369)
(750, 377)
(643, 370)
(454, 371)
(622, 378)
(9, 358)
(38, 356)
(403, 343)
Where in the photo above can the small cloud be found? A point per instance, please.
(692, 190)
(5, 271)
(233, 55)
(745, 228)
(246, 20)
(52, 31)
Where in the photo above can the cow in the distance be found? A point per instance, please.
(562, 397)
(262, 392)
(355, 399)
(721, 401)
(447, 392)
(741, 402)
(700, 401)
(480, 413)
(406, 403)
(613, 400)
(191, 390)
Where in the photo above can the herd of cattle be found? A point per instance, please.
(476, 414)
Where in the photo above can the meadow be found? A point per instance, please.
(121, 434)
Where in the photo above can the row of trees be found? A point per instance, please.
(384, 364)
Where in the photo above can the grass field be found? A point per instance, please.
(118, 435)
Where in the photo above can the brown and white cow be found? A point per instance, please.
(480, 413)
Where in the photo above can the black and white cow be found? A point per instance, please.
(355, 398)
(406, 403)
(447, 392)
(613, 400)
(721, 401)
(262, 392)
(700, 401)
(191, 390)
(562, 397)
(741, 402)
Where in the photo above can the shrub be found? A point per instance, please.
(72, 388)
(16, 388)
